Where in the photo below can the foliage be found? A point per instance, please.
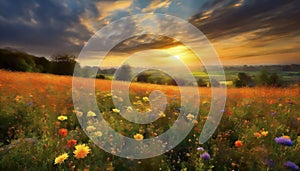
(264, 78)
(244, 140)
(243, 80)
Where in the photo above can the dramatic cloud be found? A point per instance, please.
(44, 27)
(239, 29)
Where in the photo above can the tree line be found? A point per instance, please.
(62, 64)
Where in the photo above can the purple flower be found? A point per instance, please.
(270, 162)
(273, 113)
(205, 156)
(291, 165)
(283, 140)
(200, 149)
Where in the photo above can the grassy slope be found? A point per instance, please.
(22, 83)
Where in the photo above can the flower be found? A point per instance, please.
(60, 159)
(205, 156)
(257, 134)
(291, 165)
(298, 119)
(200, 149)
(71, 143)
(284, 140)
(78, 113)
(91, 114)
(63, 132)
(162, 115)
(129, 109)
(146, 99)
(238, 143)
(18, 98)
(190, 117)
(261, 133)
(90, 128)
(116, 110)
(62, 118)
(195, 122)
(138, 137)
(98, 134)
(81, 151)
(264, 133)
(270, 162)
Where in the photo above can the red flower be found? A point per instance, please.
(63, 132)
(238, 143)
(71, 143)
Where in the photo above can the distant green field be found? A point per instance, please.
(231, 75)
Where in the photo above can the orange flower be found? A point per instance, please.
(257, 134)
(63, 132)
(238, 143)
(57, 123)
(71, 143)
(298, 119)
(229, 112)
(18, 98)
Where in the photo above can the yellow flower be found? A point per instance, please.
(81, 151)
(62, 118)
(138, 137)
(162, 115)
(90, 128)
(279, 105)
(60, 159)
(98, 134)
(146, 99)
(91, 114)
(264, 133)
(286, 137)
(190, 117)
(129, 109)
(116, 110)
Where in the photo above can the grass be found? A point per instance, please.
(30, 104)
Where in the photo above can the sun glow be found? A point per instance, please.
(176, 57)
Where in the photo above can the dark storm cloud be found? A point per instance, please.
(272, 17)
(145, 42)
(46, 26)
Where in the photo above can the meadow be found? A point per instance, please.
(259, 130)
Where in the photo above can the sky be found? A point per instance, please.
(243, 32)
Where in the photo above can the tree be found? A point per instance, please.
(243, 80)
(63, 64)
(124, 73)
(100, 76)
(274, 80)
(263, 78)
(201, 83)
(143, 77)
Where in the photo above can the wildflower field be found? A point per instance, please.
(259, 130)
